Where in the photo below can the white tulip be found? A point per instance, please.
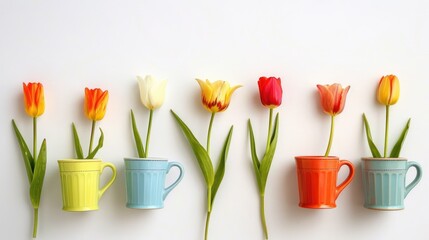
(152, 91)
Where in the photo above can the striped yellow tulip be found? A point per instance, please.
(216, 95)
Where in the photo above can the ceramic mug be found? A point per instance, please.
(384, 182)
(317, 180)
(145, 181)
(80, 183)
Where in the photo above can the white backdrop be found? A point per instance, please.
(70, 45)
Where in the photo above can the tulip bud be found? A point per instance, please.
(270, 91)
(95, 103)
(34, 99)
(152, 91)
(388, 90)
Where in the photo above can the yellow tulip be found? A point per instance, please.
(216, 95)
(388, 90)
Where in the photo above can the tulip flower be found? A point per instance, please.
(35, 163)
(152, 92)
(387, 94)
(388, 90)
(94, 108)
(152, 95)
(270, 91)
(34, 99)
(216, 95)
(332, 99)
(95, 103)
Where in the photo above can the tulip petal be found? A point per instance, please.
(326, 99)
(394, 92)
(157, 93)
(341, 100)
(383, 95)
(144, 86)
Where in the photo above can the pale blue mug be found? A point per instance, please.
(384, 182)
(145, 181)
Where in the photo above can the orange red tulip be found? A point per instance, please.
(95, 103)
(34, 99)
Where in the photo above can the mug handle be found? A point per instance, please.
(416, 179)
(173, 185)
(349, 178)
(111, 166)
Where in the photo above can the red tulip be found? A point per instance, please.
(333, 98)
(270, 91)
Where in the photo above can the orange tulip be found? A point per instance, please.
(333, 98)
(95, 103)
(388, 90)
(34, 99)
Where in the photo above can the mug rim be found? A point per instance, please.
(383, 159)
(317, 157)
(76, 160)
(145, 159)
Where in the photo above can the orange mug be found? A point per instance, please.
(317, 180)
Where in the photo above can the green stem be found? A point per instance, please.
(35, 222)
(331, 136)
(35, 139)
(92, 137)
(206, 232)
(149, 127)
(209, 133)
(263, 221)
(209, 199)
(270, 125)
(386, 132)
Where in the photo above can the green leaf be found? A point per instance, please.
(77, 146)
(372, 147)
(220, 171)
(255, 160)
(200, 153)
(269, 155)
(137, 138)
(99, 145)
(39, 175)
(26, 154)
(398, 146)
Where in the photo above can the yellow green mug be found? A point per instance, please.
(80, 183)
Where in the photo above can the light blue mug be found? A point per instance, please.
(384, 182)
(145, 181)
